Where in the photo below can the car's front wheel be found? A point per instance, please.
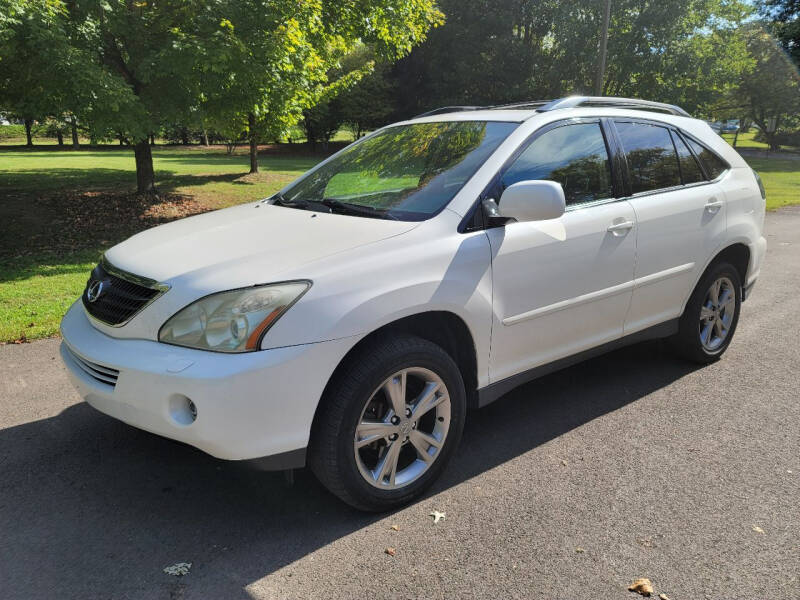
(389, 423)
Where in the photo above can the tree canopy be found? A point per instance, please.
(186, 61)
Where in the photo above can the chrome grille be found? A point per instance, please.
(114, 297)
(94, 370)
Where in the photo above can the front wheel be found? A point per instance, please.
(712, 313)
(389, 423)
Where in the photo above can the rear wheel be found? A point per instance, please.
(712, 313)
(389, 423)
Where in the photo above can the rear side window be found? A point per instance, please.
(652, 161)
(714, 165)
(690, 170)
(573, 155)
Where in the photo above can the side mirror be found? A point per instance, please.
(533, 201)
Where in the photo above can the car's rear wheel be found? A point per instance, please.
(388, 423)
(712, 313)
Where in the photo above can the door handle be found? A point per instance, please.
(619, 229)
(713, 205)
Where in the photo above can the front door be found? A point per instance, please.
(564, 285)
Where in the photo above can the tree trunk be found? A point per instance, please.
(28, 136)
(152, 137)
(60, 137)
(145, 178)
(75, 142)
(251, 123)
(184, 136)
(205, 138)
(601, 63)
(736, 135)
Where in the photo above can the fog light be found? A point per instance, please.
(182, 410)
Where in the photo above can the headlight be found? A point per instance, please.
(232, 321)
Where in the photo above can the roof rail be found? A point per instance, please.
(569, 102)
(537, 104)
(612, 102)
(447, 109)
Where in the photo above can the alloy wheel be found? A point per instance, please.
(716, 314)
(402, 428)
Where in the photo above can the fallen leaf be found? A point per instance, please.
(563, 463)
(757, 529)
(390, 551)
(437, 516)
(395, 528)
(178, 569)
(579, 550)
(641, 586)
(663, 597)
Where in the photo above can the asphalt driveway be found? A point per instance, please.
(631, 465)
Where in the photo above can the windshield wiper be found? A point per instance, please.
(357, 209)
(281, 200)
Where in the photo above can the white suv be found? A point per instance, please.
(350, 321)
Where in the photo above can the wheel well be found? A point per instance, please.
(444, 329)
(739, 256)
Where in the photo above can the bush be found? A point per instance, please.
(784, 138)
(17, 132)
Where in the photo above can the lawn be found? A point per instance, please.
(61, 209)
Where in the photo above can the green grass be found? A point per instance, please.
(61, 209)
(745, 140)
(781, 178)
(210, 175)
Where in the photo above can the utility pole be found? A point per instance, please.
(601, 64)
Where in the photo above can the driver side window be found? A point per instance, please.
(574, 155)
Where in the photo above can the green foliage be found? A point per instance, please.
(784, 17)
(680, 51)
(127, 68)
(768, 90)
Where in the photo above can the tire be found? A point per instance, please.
(701, 342)
(362, 396)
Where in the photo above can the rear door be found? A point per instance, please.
(680, 217)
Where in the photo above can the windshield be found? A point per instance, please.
(408, 172)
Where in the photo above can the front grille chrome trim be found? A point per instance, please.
(145, 282)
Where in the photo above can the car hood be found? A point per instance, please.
(245, 245)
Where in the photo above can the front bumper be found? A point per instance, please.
(248, 405)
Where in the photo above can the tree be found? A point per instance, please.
(270, 72)
(784, 16)
(768, 91)
(184, 61)
(27, 79)
(491, 53)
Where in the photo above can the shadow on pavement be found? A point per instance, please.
(91, 508)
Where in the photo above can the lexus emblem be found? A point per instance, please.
(94, 291)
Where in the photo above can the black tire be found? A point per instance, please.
(331, 453)
(687, 342)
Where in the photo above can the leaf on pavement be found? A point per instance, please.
(390, 551)
(395, 528)
(437, 516)
(178, 569)
(641, 586)
(757, 529)
(663, 597)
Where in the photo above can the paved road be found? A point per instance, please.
(654, 468)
